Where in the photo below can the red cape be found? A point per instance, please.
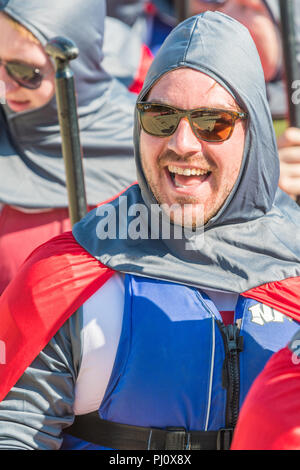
(55, 281)
(270, 416)
(57, 278)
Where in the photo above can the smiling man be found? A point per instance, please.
(188, 167)
(121, 341)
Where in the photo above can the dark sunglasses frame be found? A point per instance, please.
(182, 113)
(217, 2)
(31, 84)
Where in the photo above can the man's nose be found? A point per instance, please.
(183, 140)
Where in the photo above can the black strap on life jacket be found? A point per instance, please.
(92, 428)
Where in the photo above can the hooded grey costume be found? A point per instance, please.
(31, 164)
(257, 217)
(167, 20)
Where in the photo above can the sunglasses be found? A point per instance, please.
(27, 76)
(209, 124)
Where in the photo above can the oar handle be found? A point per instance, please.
(63, 50)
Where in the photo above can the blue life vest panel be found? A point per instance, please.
(169, 364)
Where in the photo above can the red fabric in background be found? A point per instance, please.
(21, 233)
(270, 416)
(145, 62)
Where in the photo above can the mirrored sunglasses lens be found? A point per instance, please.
(25, 75)
(158, 120)
(212, 126)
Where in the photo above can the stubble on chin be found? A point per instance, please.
(207, 209)
(202, 213)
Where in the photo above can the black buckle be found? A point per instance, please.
(224, 438)
(177, 439)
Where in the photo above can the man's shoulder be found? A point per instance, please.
(54, 281)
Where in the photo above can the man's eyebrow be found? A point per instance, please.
(230, 107)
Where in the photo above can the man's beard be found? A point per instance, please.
(199, 218)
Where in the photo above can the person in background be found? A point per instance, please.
(33, 193)
(152, 21)
(160, 20)
(199, 6)
(126, 54)
(127, 11)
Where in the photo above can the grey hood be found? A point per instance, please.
(254, 238)
(31, 165)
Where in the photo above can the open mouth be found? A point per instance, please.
(186, 178)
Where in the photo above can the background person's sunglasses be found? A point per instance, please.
(209, 124)
(27, 76)
(218, 2)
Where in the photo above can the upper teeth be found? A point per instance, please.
(186, 171)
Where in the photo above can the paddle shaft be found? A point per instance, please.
(292, 68)
(63, 51)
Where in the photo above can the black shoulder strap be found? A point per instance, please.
(92, 428)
